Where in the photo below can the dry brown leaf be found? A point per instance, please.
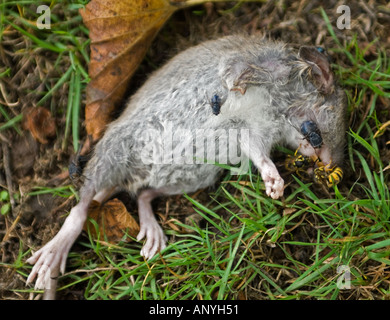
(40, 123)
(289, 211)
(113, 220)
(241, 295)
(120, 33)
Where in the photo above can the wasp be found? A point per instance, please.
(297, 163)
(216, 104)
(328, 174)
(311, 133)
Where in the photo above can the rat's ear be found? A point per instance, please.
(243, 78)
(239, 74)
(320, 69)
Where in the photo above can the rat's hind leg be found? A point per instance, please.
(51, 259)
(149, 227)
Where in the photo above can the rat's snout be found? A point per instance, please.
(306, 149)
(322, 153)
(325, 155)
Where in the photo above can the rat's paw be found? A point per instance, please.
(46, 262)
(274, 184)
(274, 187)
(155, 239)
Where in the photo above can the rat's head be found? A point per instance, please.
(318, 114)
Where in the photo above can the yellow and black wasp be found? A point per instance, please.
(297, 163)
(328, 174)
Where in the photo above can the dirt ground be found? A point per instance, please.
(26, 163)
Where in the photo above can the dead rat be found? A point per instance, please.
(168, 139)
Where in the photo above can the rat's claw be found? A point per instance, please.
(51, 259)
(155, 239)
(44, 276)
(48, 261)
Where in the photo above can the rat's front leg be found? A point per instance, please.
(274, 184)
(258, 153)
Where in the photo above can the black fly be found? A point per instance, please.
(77, 165)
(311, 133)
(216, 104)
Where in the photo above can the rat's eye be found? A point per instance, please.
(311, 133)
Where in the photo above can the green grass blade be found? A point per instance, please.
(40, 43)
(11, 123)
(313, 272)
(59, 83)
(76, 110)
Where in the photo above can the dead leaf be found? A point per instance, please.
(241, 296)
(40, 123)
(24, 153)
(113, 220)
(120, 33)
(289, 211)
